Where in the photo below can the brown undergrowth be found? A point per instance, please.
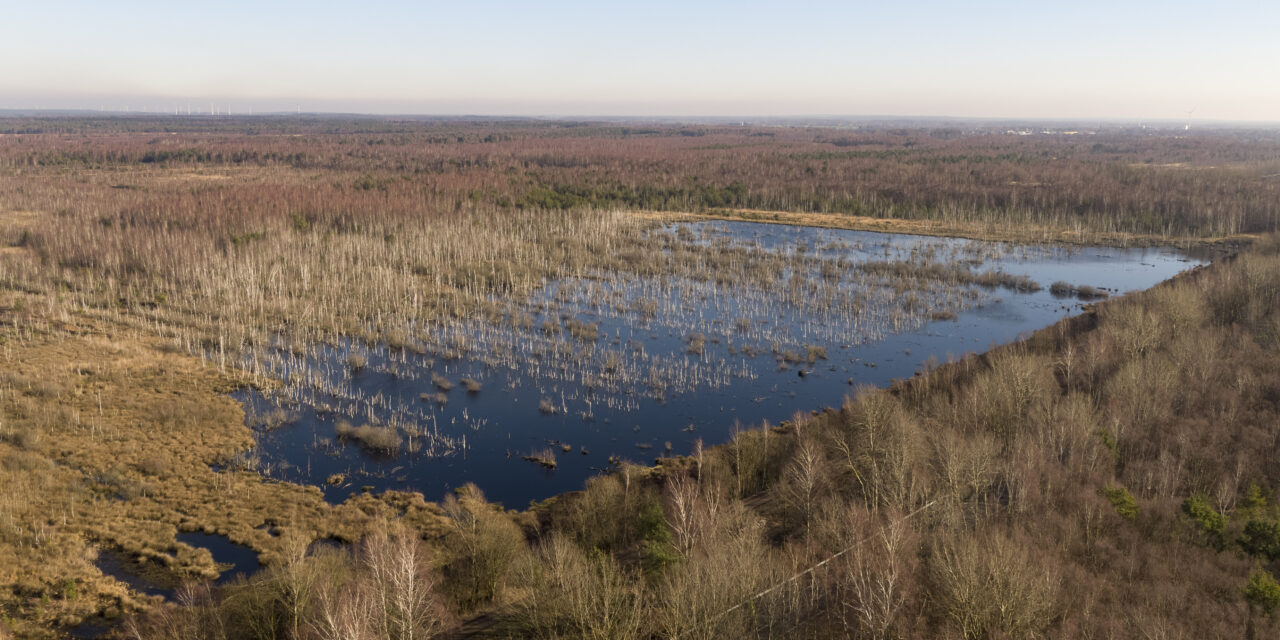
(111, 442)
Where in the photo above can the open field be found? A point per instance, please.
(151, 267)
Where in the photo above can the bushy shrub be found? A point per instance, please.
(572, 594)
(1261, 537)
(1262, 592)
(1201, 512)
(1122, 501)
(482, 545)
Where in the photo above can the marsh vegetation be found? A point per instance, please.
(386, 285)
(659, 357)
(1038, 490)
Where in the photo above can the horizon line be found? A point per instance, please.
(685, 118)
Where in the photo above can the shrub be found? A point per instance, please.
(156, 464)
(577, 595)
(815, 353)
(1086, 292)
(1262, 592)
(545, 457)
(584, 331)
(696, 344)
(483, 543)
(1122, 500)
(1261, 537)
(1201, 512)
(26, 438)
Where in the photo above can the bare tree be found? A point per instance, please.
(576, 596)
(297, 578)
(878, 581)
(344, 612)
(805, 480)
(993, 584)
(402, 585)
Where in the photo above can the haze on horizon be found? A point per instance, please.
(1087, 59)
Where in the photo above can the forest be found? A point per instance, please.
(1110, 475)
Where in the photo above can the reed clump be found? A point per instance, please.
(442, 383)
(1083, 292)
(371, 436)
(546, 457)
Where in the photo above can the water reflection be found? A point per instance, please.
(602, 367)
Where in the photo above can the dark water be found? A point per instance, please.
(95, 627)
(151, 580)
(155, 580)
(232, 558)
(502, 422)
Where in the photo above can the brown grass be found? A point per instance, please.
(110, 444)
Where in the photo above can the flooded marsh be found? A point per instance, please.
(725, 324)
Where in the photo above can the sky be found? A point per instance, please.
(1171, 60)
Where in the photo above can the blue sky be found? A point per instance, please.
(1082, 59)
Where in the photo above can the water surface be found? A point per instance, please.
(592, 399)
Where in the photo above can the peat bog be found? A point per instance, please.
(635, 367)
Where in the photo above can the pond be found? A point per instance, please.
(232, 559)
(153, 579)
(649, 360)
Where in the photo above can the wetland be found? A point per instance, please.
(252, 365)
(603, 367)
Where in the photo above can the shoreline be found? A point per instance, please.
(990, 232)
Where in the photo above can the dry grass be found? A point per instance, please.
(110, 443)
(371, 436)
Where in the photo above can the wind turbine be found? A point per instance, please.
(1189, 112)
